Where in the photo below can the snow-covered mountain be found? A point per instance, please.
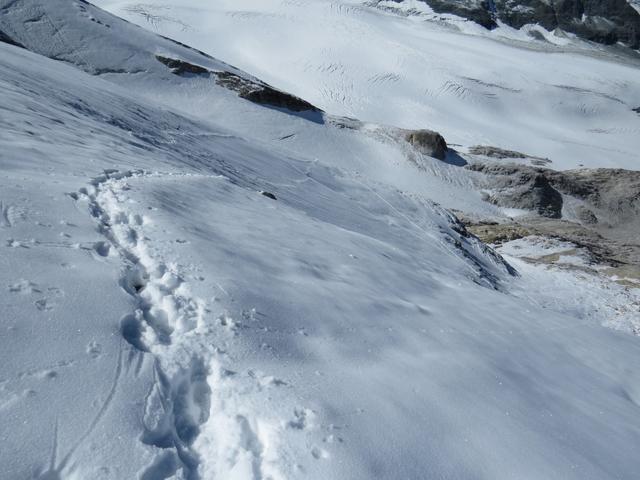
(214, 274)
(400, 64)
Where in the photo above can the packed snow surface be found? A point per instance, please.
(195, 286)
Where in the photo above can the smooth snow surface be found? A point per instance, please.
(164, 319)
(398, 64)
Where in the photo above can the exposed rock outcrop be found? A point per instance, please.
(254, 91)
(613, 194)
(605, 210)
(7, 39)
(495, 152)
(524, 187)
(269, 195)
(180, 67)
(479, 11)
(263, 94)
(428, 142)
(477, 252)
(602, 21)
(496, 233)
(586, 216)
(604, 247)
(502, 154)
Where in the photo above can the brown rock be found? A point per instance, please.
(428, 142)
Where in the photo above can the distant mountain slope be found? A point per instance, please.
(529, 90)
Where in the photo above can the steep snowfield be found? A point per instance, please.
(164, 319)
(401, 65)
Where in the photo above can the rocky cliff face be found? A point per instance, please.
(602, 21)
(604, 195)
(597, 210)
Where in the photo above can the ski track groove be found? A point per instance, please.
(101, 412)
(55, 468)
(54, 446)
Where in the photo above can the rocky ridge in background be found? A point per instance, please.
(597, 210)
(602, 21)
(603, 196)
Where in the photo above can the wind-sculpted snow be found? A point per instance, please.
(164, 318)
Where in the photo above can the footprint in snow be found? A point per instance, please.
(94, 349)
(46, 374)
(24, 287)
(43, 305)
(102, 248)
(4, 215)
(55, 291)
(10, 214)
(304, 419)
(319, 453)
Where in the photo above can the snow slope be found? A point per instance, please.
(399, 64)
(164, 319)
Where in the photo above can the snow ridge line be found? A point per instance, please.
(191, 383)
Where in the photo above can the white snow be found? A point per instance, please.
(162, 318)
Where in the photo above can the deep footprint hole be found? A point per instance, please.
(102, 248)
(131, 329)
(134, 280)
